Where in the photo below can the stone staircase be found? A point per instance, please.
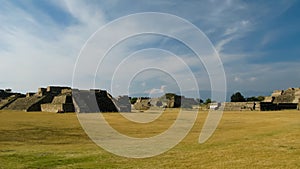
(29, 103)
(92, 101)
(6, 102)
(79, 101)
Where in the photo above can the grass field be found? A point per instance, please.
(242, 140)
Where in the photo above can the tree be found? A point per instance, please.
(251, 99)
(199, 100)
(237, 97)
(170, 95)
(207, 101)
(133, 100)
(257, 99)
(260, 98)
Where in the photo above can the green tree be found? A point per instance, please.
(199, 100)
(207, 101)
(133, 100)
(260, 98)
(249, 99)
(257, 99)
(237, 97)
(170, 95)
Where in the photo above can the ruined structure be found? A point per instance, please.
(240, 106)
(142, 104)
(7, 97)
(282, 99)
(175, 101)
(123, 104)
(169, 100)
(189, 102)
(64, 99)
(94, 100)
(61, 103)
(158, 102)
(33, 101)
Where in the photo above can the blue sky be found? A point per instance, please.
(257, 41)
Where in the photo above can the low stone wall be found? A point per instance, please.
(239, 106)
(265, 106)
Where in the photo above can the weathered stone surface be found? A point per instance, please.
(174, 101)
(282, 99)
(56, 89)
(123, 103)
(239, 106)
(33, 101)
(158, 102)
(268, 99)
(41, 91)
(95, 100)
(29, 103)
(57, 108)
(188, 102)
(7, 101)
(61, 103)
(142, 104)
(29, 94)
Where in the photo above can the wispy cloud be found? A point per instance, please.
(41, 52)
(42, 48)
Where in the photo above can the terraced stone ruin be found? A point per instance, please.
(169, 100)
(282, 99)
(64, 99)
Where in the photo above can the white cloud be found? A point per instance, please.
(41, 52)
(237, 79)
(221, 44)
(154, 91)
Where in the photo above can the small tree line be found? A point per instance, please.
(238, 97)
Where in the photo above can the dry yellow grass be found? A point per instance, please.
(242, 140)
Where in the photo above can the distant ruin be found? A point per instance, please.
(7, 97)
(169, 100)
(279, 100)
(93, 100)
(65, 99)
(240, 106)
(282, 99)
(33, 101)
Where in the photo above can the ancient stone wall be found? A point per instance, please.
(174, 102)
(142, 104)
(123, 103)
(29, 94)
(7, 101)
(158, 102)
(56, 89)
(61, 103)
(29, 103)
(277, 93)
(95, 100)
(57, 108)
(239, 106)
(188, 102)
(282, 99)
(41, 92)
